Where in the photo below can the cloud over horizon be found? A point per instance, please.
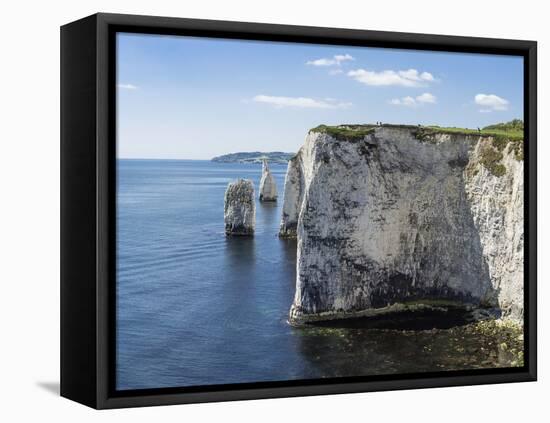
(404, 78)
(335, 60)
(300, 102)
(409, 101)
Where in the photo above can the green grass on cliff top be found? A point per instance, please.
(512, 135)
(501, 134)
(508, 131)
(345, 132)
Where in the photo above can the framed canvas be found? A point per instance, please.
(257, 211)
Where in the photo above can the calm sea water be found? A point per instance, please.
(195, 307)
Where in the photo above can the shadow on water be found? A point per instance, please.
(270, 209)
(240, 252)
(288, 250)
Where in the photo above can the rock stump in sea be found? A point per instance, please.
(239, 208)
(268, 188)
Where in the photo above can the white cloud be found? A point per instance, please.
(409, 101)
(343, 57)
(491, 102)
(426, 98)
(300, 102)
(333, 61)
(404, 78)
(335, 71)
(427, 76)
(127, 86)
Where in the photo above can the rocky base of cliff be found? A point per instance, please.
(468, 312)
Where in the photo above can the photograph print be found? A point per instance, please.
(290, 212)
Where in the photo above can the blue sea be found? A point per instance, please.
(195, 307)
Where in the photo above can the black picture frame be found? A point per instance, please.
(88, 209)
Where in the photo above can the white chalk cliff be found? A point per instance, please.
(240, 208)
(390, 214)
(268, 187)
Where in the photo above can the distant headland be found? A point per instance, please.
(255, 157)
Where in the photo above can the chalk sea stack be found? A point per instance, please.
(292, 200)
(268, 187)
(392, 215)
(240, 208)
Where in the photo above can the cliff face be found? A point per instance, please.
(497, 208)
(395, 215)
(268, 187)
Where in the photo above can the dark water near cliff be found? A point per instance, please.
(195, 307)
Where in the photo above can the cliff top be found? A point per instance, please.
(501, 134)
(509, 131)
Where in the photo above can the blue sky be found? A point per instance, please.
(195, 98)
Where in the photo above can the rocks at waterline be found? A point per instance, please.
(240, 208)
(268, 187)
(391, 214)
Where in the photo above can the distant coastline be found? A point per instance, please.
(255, 157)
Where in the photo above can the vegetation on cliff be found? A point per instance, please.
(491, 160)
(515, 125)
(345, 132)
(511, 131)
(501, 135)
(501, 131)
